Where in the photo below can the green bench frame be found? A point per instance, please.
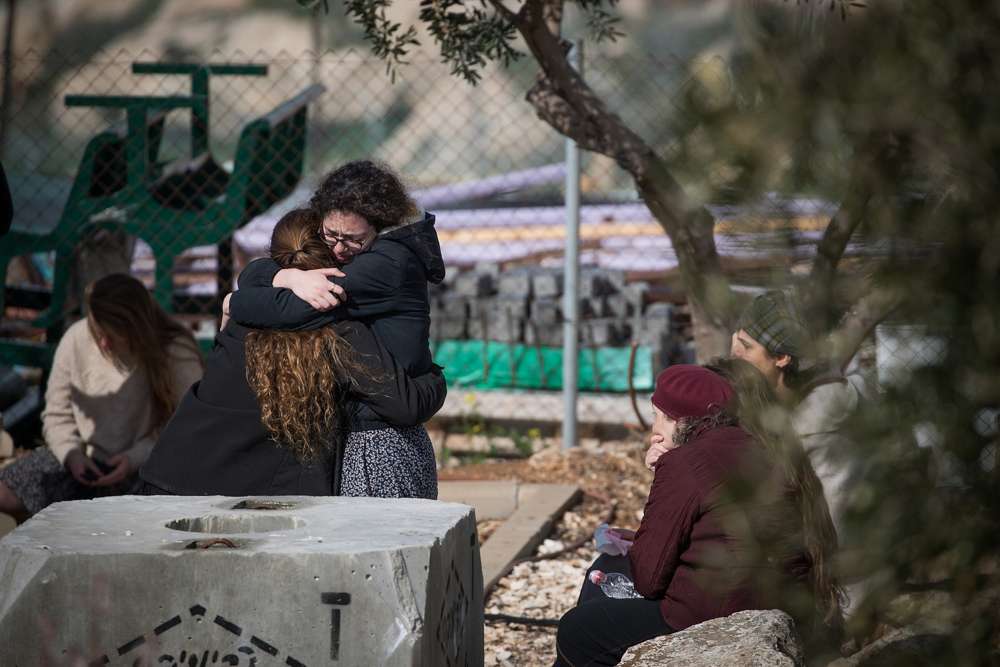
(270, 159)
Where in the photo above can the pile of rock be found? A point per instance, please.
(524, 305)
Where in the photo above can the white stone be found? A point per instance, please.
(759, 638)
(344, 581)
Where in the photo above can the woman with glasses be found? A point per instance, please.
(387, 252)
(270, 415)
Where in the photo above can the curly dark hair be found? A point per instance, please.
(366, 188)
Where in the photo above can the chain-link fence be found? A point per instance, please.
(196, 165)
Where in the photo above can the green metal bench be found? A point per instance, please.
(270, 158)
(101, 181)
(194, 202)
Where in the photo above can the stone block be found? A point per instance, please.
(546, 336)
(546, 312)
(594, 283)
(449, 317)
(498, 325)
(616, 279)
(513, 306)
(452, 305)
(500, 318)
(215, 581)
(762, 638)
(655, 323)
(488, 307)
(547, 283)
(480, 308)
(620, 306)
(604, 332)
(594, 307)
(447, 328)
(515, 283)
(635, 295)
(474, 284)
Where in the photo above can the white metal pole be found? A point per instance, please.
(571, 274)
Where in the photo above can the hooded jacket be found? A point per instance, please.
(216, 444)
(386, 288)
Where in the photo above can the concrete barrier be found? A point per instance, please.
(206, 581)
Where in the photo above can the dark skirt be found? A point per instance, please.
(389, 463)
(38, 480)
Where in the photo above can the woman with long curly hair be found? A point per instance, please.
(735, 520)
(116, 378)
(389, 252)
(273, 410)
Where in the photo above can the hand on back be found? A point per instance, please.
(313, 287)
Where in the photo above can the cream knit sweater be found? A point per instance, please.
(92, 403)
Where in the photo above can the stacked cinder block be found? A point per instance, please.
(525, 305)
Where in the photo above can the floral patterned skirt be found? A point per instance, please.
(389, 463)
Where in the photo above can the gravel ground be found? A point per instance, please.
(612, 474)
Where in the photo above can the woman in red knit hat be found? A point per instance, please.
(735, 520)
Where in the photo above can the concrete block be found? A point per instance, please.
(595, 307)
(474, 284)
(499, 326)
(447, 328)
(654, 324)
(544, 335)
(635, 293)
(512, 306)
(619, 305)
(604, 332)
(546, 312)
(449, 317)
(480, 308)
(193, 581)
(500, 318)
(516, 283)
(547, 283)
(616, 279)
(594, 283)
(453, 305)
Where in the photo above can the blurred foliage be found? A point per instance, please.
(893, 113)
(889, 110)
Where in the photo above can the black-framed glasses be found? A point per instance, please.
(333, 239)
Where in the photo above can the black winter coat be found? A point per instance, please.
(215, 442)
(386, 288)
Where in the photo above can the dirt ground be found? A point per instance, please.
(614, 480)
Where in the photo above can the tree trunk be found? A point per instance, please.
(563, 99)
(692, 232)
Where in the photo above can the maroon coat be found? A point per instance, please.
(695, 549)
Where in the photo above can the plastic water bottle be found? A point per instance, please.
(614, 584)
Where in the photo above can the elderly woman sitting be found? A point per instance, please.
(735, 520)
